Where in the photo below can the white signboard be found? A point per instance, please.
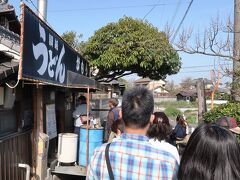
(51, 126)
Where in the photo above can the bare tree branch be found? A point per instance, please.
(113, 76)
(215, 42)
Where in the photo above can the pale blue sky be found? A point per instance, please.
(85, 17)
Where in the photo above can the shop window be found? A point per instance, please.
(7, 122)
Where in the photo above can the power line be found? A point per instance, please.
(110, 8)
(211, 65)
(195, 71)
(185, 14)
(175, 12)
(33, 5)
(192, 67)
(150, 10)
(40, 13)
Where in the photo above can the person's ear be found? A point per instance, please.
(152, 118)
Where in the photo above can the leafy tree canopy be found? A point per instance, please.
(131, 46)
(73, 40)
(228, 110)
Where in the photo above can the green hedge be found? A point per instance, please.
(229, 110)
(191, 119)
(172, 112)
(176, 104)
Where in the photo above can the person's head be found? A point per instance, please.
(229, 123)
(212, 153)
(160, 127)
(161, 117)
(113, 103)
(118, 127)
(180, 120)
(82, 99)
(137, 107)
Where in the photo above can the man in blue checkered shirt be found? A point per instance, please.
(132, 156)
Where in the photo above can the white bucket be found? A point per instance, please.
(67, 147)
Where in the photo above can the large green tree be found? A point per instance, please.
(74, 40)
(131, 46)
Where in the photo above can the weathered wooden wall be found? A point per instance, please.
(15, 149)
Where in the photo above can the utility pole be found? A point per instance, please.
(42, 9)
(236, 53)
(42, 13)
(42, 139)
(202, 108)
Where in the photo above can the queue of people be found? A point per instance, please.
(140, 148)
(132, 156)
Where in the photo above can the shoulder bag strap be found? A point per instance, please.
(110, 172)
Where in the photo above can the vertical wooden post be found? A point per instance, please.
(87, 128)
(236, 53)
(34, 132)
(202, 108)
(38, 122)
(40, 109)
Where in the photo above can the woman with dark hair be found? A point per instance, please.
(159, 132)
(180, 128)
(212, 153)
(179, 132)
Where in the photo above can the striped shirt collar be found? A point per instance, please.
(136, 137)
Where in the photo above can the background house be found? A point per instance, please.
(114, 88)
(187, 96)
(158, 87)
(207, 83)
(142, 82)
(9, 58)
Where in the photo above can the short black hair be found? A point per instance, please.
(137, 107)
(82, 98)
(212, 153)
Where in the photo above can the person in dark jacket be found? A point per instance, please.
(113, 115)
(179, 132)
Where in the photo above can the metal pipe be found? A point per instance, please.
(27, 167)
(42, 9)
